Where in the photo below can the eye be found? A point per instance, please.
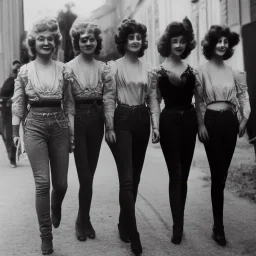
(92, 40)
(50, 39)
(138, 38)
(131, 37)
(40, 38)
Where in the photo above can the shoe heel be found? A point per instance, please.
(136, 244)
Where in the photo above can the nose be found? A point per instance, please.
(46, 41)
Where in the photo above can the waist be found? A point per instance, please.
(221, 111)
(81, 104)
(184, 107)
(45, 104)
(121, 105)
(220, 105)
(52, 110)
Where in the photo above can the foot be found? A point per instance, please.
(218, 236)
(136, 244)
(80, 235)
(13, 164)
(177, 235)
(56, 215)
(89, 230)
(46, 246)
(123, 234)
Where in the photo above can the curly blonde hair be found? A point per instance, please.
(41, 25)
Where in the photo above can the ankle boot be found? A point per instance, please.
(89, 230)
(218, 235)
(177, 235)
(56, 215)
(136, 244)
(123, 234)
(46, 246)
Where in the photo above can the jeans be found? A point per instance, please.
(6, 113)
(178, 131)
(132, 129)
(222, 129)
(89, 131)
(46, 141)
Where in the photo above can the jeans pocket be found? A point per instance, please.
(62, 121)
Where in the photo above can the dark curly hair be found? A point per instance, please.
(79, 28)
(41, 25)
(126, 28)
(175, 29)
(212, 37)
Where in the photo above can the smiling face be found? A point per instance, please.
(221, 46)
(87, 43)
(44, 43)
(178, 45)
(134, 43)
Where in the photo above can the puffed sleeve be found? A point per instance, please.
(109, 93)
(19, 99)
(199, 98)
(242, 93)
(153, 98)
(68, 100)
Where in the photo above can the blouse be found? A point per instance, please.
(28, 88)
(175, 96)
(234, 91)
(124, 89)
(88, 84)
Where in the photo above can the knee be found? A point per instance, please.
(60, 187)
(42, 188)
(175, 175)
(126, 184)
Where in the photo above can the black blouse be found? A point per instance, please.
(177, 96)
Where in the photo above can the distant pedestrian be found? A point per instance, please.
(6, 93)
(128, 123)
(223, 91)
(44, 102)
(178, 124)
(88, 86)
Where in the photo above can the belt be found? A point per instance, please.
(222, 110)
(41, 104)
(88, 103)
(131, 107)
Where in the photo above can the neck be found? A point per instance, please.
(217, 60)
(131, 57)
(43, 60)
(85, 57)
(174, 59)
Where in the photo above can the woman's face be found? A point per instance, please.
(178, 45)
(44, 43)
(221, 46)
(87, 43)
(134, 43)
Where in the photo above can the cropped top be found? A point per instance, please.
(124, 89)
(175, 96)
(88, 84)
(28, 88)
(234, 91)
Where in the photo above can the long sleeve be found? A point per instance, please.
(109, 94)
(199, 99)
(153, 98)
(242, 94)
(68, 100)
(19, 99)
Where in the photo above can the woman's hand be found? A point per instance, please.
(71, 144)
(242, 127)
(16, 141)
(155, 135)
(110, 136)
(203, 134)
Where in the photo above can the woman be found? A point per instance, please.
(178, 124)
(223, 91)
(128, 124)
(44, 88)
(89, 121)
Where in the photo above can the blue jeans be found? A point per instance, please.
(89, 131)
(132, 129)
(47, 141)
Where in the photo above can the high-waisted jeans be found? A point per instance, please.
(178, 131)
(132, 129)
(47, 141)
(89, 131)
(222, 127)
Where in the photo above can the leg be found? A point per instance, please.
(59, 158)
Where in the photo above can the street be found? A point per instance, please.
(19, 233)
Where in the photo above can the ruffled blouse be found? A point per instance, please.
(28, 88)
(123, 89)
(234, 91)
(88, 84)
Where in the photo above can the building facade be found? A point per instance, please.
(11, 32)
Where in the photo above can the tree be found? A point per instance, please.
(66, 19)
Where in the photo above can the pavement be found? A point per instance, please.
(19, 234)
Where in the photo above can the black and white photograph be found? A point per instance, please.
(128, 127)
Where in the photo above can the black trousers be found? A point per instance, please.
(178, 131)
(222, 129)
(89, 131)
(132, 128)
